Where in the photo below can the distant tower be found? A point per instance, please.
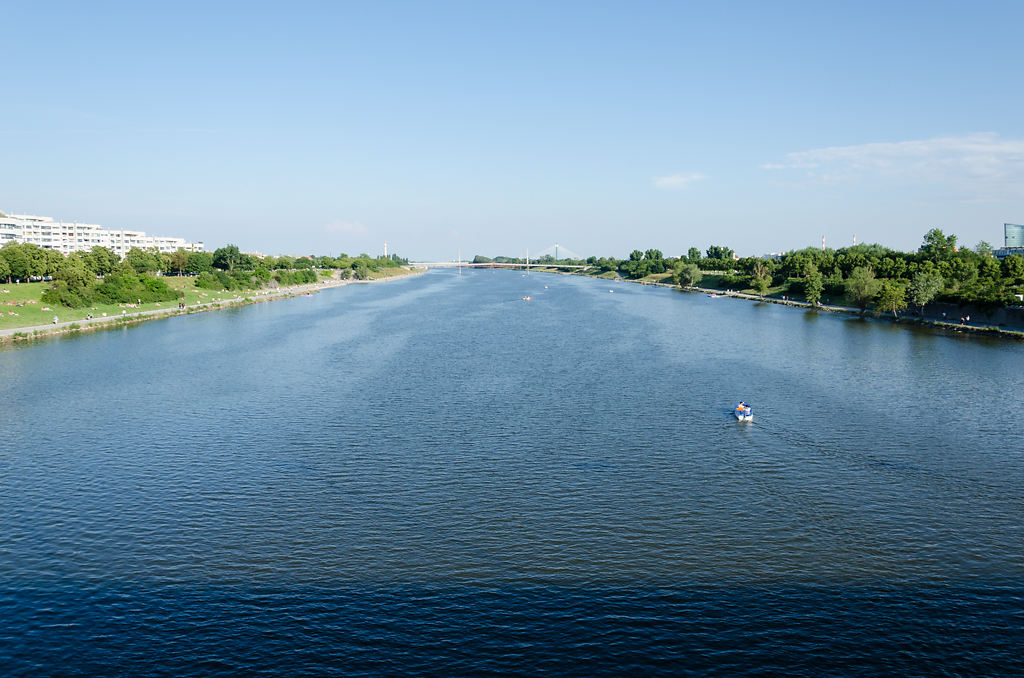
(854, 239)
(385, 249)
(556, 251)
(823, 243)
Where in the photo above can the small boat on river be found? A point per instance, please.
(743, 412)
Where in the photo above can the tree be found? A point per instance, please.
(923, 288)
(719, 252)
(141, 261)
(693, 254)
(17, 261)
(813, 286)
(74, 274)
(989, 269)
(179, 260)
(37, 260)
(862, 287)
(686, 274)
(983, 248)
(937, 245)
(1013, 268)
(199, 262)
(5, 269)
(892, 297)
(655, 260)
(761, 279)
(52, 260)
(226, 258)
(102, 260)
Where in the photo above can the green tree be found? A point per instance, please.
(862, 287)
(5, 269)
(989, 269)
(179, 260)
(983, 248)
(923, 288)
(141, 261)
(937, 245)
(761, 278)
(74, 274)
(693, 254)
(655, 261)
(102, 260)
(719, 252)
(686, 274)
(52, 260)
(813, 286)
(37, 259)
(199, 262)
(17, 260)
(227, 257)
(892, 297)
(360, 271)
(1013, 268)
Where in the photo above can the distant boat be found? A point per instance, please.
(527, 298)
(743, 412)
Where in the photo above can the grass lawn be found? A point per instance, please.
(21, 306)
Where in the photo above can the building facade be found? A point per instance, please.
(75, 237)
(1013, 241)
(1013, 235)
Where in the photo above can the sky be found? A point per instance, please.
(499, 127)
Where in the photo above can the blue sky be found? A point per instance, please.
(494, 127)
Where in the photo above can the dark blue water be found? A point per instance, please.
(433, 476)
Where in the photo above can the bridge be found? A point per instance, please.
(551, 254)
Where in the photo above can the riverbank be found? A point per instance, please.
(949, 327)
(944, 326)
(29, 332)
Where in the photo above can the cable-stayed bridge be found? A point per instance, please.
(546, 258)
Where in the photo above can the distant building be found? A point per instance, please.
(1013, 235)
(75, 237)
(1013, 241)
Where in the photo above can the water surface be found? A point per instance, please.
(436, 476)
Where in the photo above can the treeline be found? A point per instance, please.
(82, 278)
(861, 275)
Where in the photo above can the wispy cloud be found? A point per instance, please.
(677, 181)
(980, 162)
(346, 227)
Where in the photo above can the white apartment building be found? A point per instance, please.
(73, 237)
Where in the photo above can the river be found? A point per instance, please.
(437, 476)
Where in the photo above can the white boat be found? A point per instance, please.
(743, 412)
